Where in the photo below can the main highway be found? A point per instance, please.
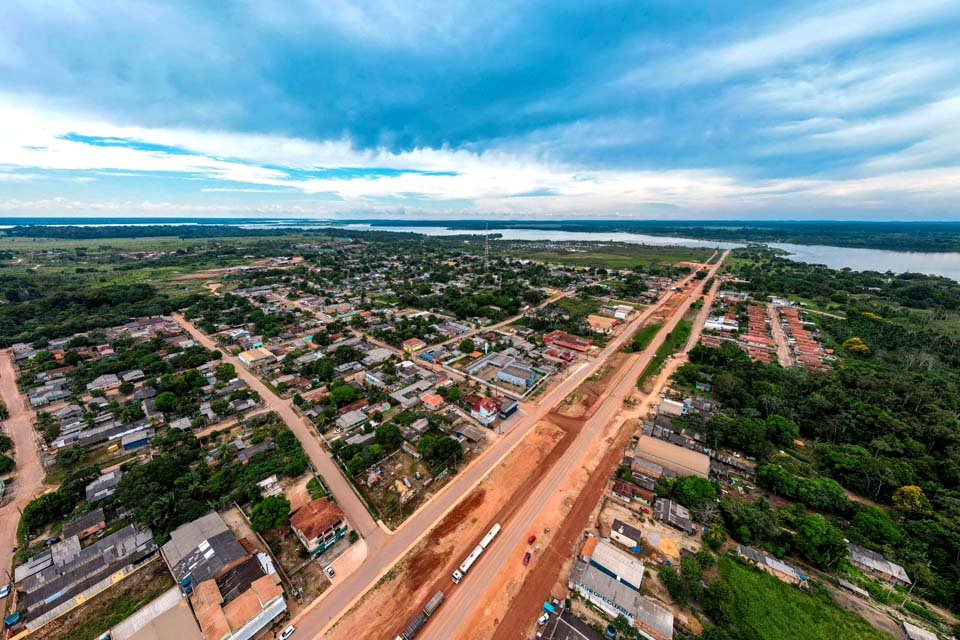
(476, 586)
(385, 548)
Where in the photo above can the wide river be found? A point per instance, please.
(943, 264)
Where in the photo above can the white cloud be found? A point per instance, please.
(486, 182)
(819, 29)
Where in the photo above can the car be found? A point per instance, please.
(329, 571)
(542, 620)
(286, 633)
(526, 558)
(531, 539)
(4, 591)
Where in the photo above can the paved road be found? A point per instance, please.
(462, 599)
(29, 473)
(316, 618)
(344, 494)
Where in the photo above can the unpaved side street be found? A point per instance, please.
(28, 479)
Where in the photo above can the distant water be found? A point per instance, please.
(882, 260)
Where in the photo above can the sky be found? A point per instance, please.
(458, 109)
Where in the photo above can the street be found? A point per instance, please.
(475, 588)
(28, 479)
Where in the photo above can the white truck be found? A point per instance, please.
(468, 562)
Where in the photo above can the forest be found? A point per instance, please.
(882, 423)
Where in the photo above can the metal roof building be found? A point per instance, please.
(202, 549)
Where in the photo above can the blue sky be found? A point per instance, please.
(449, 109)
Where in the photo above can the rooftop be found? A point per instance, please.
(202, 549)
(315, 517)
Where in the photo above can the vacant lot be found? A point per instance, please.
(763, 607)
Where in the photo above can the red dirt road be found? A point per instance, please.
(28, 481)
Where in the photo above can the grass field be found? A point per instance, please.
(615, 256)
(675, 339)
(764, 608)
(642, 337)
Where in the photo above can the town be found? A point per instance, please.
(354, 440)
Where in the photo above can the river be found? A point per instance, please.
(942, 264)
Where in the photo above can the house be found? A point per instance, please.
(85, 525)
(319, 524)
(134, 375)
(625, 534)
(240, 616)
(673, 514)
(245, 455)
(602, 324)
(673, 408)
(351, 419)
(566, 341)
(104, 486)
(200, 550)
(772, 565)
(432, 401)
(483, 409)
(412, 345)
(877, 565)
(377, 355)
(256, 357)
(104, 383)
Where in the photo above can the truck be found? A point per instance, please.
(475, 554)
(411, 630)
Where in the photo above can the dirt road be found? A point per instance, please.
(319, 616)
(356, 511)
(28, 482)
(455, 618)
(776, 329)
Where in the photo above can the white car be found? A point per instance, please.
(4, 591)
(542, 620)
(286, 633)
(329, 570)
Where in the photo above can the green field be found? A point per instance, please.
(614, 256)
(673, 342)
(642, 337)
(763, 608)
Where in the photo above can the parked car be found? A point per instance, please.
(542, 620)
(329, 571)
(4, 591)
(531, 539)
(286, 633)
(526, 558)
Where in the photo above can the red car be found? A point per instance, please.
(531, 539)
(526, 558)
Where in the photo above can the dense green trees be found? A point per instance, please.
(270, 513)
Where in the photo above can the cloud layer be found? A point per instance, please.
(335, 108)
